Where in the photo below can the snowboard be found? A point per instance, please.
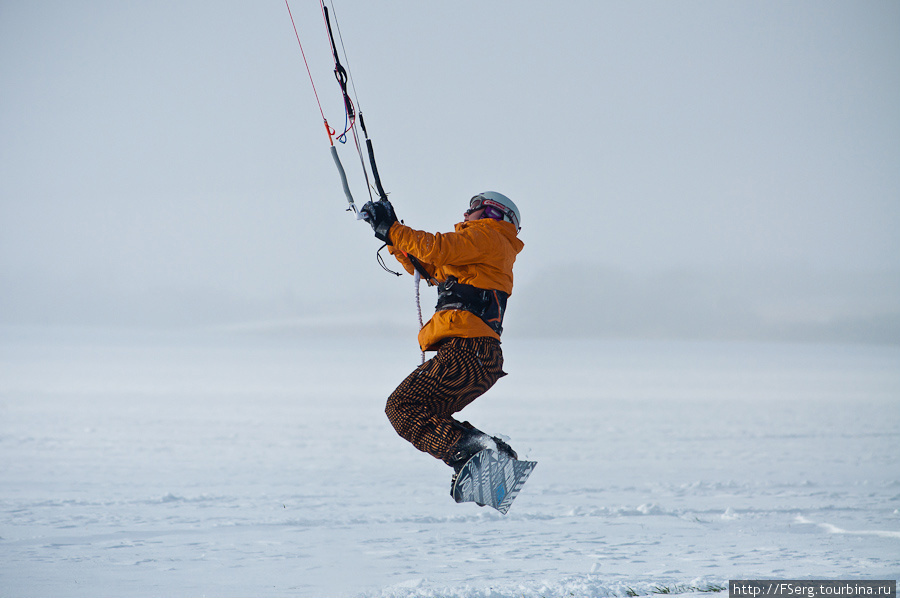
(491, 478)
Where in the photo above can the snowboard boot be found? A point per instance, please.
(505, 448)
(472, 442)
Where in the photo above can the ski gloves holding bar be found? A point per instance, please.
(380, 216)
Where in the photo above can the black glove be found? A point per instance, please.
(380, 215)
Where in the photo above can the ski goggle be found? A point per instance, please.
(475, 204)
(489, 210)
(492, 209)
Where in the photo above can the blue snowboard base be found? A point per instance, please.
(491, 478)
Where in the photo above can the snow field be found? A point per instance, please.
(225, 465)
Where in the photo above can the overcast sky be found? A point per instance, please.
(168, 157)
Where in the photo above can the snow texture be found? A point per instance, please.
(228, 465)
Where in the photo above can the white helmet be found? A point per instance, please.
(504, 206)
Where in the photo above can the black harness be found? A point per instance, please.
(487, 304)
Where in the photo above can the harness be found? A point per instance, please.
(487, 304)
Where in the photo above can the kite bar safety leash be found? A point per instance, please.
(417, 278)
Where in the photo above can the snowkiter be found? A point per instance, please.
(473, 267)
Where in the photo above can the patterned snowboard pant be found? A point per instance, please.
(420, 409)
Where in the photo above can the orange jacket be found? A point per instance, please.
(480, 253)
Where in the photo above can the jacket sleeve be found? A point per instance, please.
(404, 260)
(439, 249)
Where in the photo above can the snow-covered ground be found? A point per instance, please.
(229, 465)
